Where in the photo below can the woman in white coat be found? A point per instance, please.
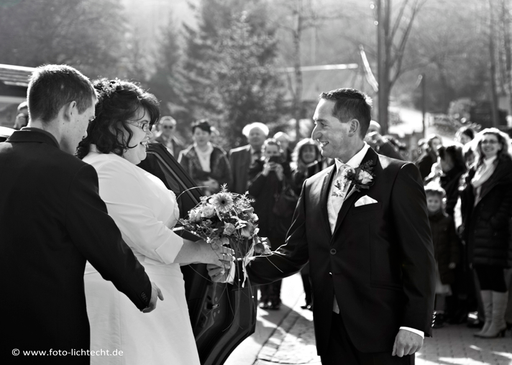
(145, 212)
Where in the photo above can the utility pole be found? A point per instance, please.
(492, 70)
(379, 56)
(423, 104)
(383, 53)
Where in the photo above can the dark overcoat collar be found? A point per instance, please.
(34, 135)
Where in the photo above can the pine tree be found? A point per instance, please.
(229, 67)
(166, 82)
(248, 86)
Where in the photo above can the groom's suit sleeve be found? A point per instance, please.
(288, 258)
(412, 227)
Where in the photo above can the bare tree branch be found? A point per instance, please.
(398, 20)
(401, 48)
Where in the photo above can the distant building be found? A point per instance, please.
(13, 90)
(317, 79)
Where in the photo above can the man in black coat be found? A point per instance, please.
(51, 221)
(429, 157)
(362, 225)
(241, 158)
(380, 144)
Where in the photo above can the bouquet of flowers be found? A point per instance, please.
(227, 218)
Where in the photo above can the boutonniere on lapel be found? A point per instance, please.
(359, 178)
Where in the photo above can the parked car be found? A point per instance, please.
(5, 132)
(222, 315)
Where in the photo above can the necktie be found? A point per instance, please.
(339, 188)
(336, 197)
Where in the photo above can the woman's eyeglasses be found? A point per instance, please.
(145, 126)
(489, 141)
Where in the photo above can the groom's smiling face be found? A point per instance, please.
(334, 136)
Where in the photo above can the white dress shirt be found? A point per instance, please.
(334, 203)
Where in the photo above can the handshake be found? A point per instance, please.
(224, 270)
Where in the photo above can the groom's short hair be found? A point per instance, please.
(350, 103)
(53, 86)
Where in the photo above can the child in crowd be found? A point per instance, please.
(446, 248)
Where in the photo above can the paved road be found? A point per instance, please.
(286, 337)
(268, 323)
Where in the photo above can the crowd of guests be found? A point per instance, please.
(102, 214)
(468, 185)
(469, 188)
(265, 168)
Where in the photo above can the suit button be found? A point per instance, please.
(333, 251)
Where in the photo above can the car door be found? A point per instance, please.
(5, 132)
(222, 315)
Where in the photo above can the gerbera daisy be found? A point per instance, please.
(223, 202)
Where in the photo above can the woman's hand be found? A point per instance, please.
(219, 254)
(202, 252)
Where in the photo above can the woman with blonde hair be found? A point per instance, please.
(486, 213)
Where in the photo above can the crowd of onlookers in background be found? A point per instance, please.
(468, 187)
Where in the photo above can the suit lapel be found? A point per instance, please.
(349, 202)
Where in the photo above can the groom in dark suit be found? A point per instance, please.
(362, 224)
(51, 221)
